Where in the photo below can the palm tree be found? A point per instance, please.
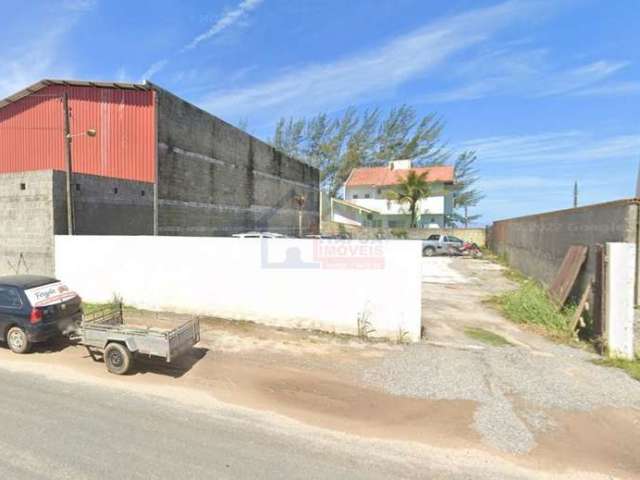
(411, 190)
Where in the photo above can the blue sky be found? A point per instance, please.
(546, 92)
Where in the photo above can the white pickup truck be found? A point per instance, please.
(441, 244)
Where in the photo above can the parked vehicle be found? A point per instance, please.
(35, 309)
(258, 235)
(438, 244)
(104, 331)
(471, 249)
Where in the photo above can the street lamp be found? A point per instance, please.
(68, 137)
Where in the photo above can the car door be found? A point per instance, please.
(11, 308)
(450, 243)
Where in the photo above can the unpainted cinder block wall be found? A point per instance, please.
(476, 235)
(33, 210)
(26, 223)
(215, 179)
(537, 244)
(107, 206)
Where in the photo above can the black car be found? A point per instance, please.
(35, 309)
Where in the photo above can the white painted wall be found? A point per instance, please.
(322, 284)
(431, 205)
(620, 299)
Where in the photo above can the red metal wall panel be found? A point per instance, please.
(32, 138)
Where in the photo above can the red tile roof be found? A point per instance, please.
(386, 176)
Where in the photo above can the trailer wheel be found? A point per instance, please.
(17, 340)
(117, 358)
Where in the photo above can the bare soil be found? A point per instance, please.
(315, 378)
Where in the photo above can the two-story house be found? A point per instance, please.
(365, 199)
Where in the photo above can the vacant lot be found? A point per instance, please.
(479, 394)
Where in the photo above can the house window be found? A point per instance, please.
(142, 193)
(379, 191)
(355, 197)
(77, 187)
(115, 191)
(366, 195)
(23, 186)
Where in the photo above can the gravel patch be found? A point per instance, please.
(514, 386)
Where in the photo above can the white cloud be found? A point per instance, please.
(527, 73)
(227, 20)
(26, 63)
(153, 69)
(329, 85)
(574, 80)
(569, 147)
(611, 89)
(79, 5)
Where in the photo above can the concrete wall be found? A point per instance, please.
(108, 206)
(315, 284)
(26, 223)
(30, 217)
(537, 244)
(215, 179)
(477, 235)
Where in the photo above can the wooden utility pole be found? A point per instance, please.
(575, 195)
(67, 161)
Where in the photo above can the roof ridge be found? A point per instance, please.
(45, 82)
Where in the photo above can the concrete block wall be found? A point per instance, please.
(26, 223)
(215, 179)
(476, 235)
(537, 244)
(107, 206)
(33, 209)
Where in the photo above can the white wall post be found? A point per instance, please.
(620, 302)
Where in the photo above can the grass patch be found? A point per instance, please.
(485, 336)
(632, 367)
(530, 305)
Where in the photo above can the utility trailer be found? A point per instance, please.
(105, 331)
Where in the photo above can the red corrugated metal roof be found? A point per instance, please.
(386, 176)
(32, 135)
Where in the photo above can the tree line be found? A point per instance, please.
(368, 138)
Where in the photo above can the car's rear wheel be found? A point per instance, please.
(17, 340)
(429, 251)
(117, 358)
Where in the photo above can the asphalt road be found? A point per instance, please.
(59, 430)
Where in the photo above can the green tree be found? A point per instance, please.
(336, 145)
(413, 188)
(466, 194)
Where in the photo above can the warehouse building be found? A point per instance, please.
(143, 162)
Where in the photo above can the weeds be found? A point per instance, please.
(530, 305)
(632, 367)
(402, 336)
(365, 328)
(485, 336)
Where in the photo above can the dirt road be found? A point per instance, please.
(450, 405)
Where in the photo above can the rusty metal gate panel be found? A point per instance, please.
(566, 276)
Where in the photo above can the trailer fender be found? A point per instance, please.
(128, 342)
